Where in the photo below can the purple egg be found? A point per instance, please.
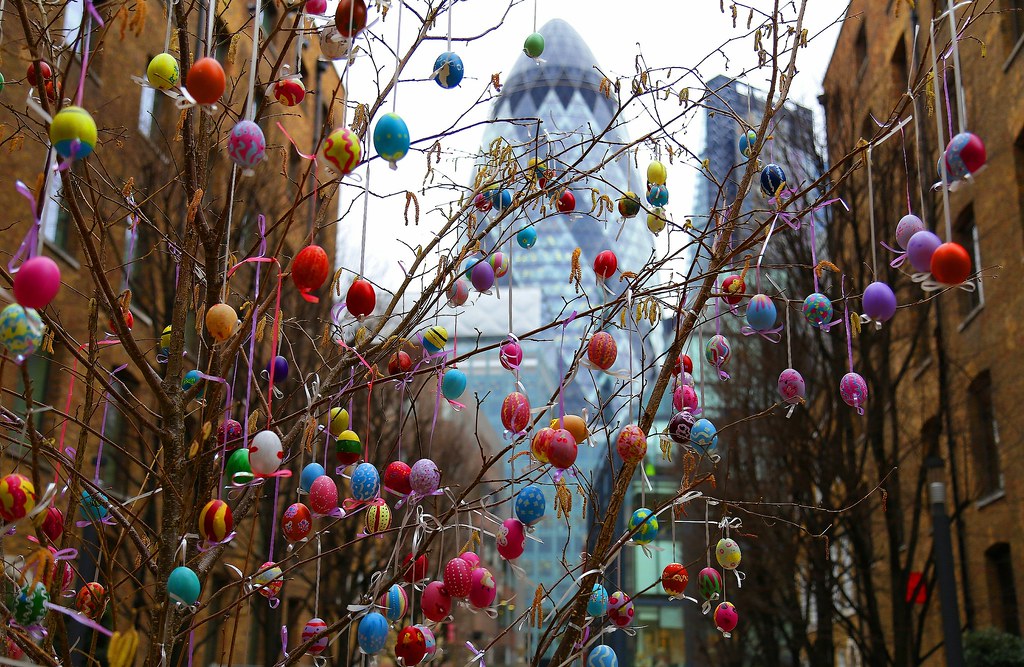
(908, 226)
(879, 302)
(280, 366)
(482, 276)
(920, 249)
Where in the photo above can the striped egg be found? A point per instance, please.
(378, 518)
(215, 521)
(601, 350)
(394, 603)
(435, 339)
(313, 627)
(348, 448)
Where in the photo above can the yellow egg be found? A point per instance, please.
(73, 132)
(656, 220)
(657, 174)
(221, 321)
(163, 72)
(338, 422)
(165, 338)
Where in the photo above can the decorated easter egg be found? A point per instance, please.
(725, 617)
(190, 379)
(674, 579)
(471, 558)
(183, 586)
(448, 70)
(482, 202)
(657, 173)
(310, 473)
(620, 609)
(965, 155)
(323, 495)
(289, 92)
(165, 339)
(483, 589)
(733, 288)
(534, 45)
(951, 264)
(657, 220)
(527, 237)
(378, 518)
(453, 384)
(605, 264)
(28, 603)
(499, 263)
(397, 478)
(717, 351)
(773, 181)
(17, 497)
(908, 225)
(247, 146)
(163, 72)
(684, 397)
(511, 539)
(436, 603)
(602, 655)
(683, 365)
(574, 424)
(631, 444)
(333, 45)
(268, 580)
(879, 301)
(541, 443)
(365, 482)
(704, 434)
(36, 282)
(215, 521)
(296, 522)
(415, 570)
(309, 270)
(94, 506)
(853, 390)
(562, 449)
(817, 309)
(342, 151)
(530, 504)
(361, 298)
(515, 412)
(535, 169)
(727, 552)
(435, 339)
(597, 603)
(394, 603)
(91, 600)
(791, 386)
(457, 578)
(312, 628)
(601, 350)
(391, 138)
(429, 642)
(709, 583)
(265, 453)
(372, 635)
(400, 362)
(73, 133)
(425, 477)
(680, 427)
(337, 421)
(237, 469)
(350, 17)
(52, 523)
(747, 142)
(657, 195)
(920, 249)
(645, 524)
(347, 448)
(410, 646)
(205, 81)
(629, 205)
(482, 276)
(761, 313)
(566, 202)
(458, 292)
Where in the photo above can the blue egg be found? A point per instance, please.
(453, 384)
(527, 237)
(648, 526)
(189, 380)
(94, 506)
(373, 633)
(183, 586)
(500, 199)
(309, 475)
(391, 138)
(602, 655)
(773, 180)
(761, 313)
(657, 195)
(448, 70)
(704, 434)
(530, 504)
(597, 605)
(747, 142)
(365, 482)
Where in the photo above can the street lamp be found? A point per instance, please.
(942, 544)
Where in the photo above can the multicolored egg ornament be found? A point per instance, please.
(602, 655)
(726, 618)
(527, 237)
(296, 522)
(597, 603)
(499, 263)
(530, 504)
(541, 443)
(879, 302)
(323, 495)
(471, 558)
(657, 196)
(309, 270)
(397, 478)
(365, 482)
(17, 497)
(28, 604)
(361, 299)
(483, 589)
(728, 554)
(817, 309)
(574, 424)
(631, 444)
(91, 600)
(429, 642)
(920, 249)
(854, 390)
(629, 205)
(73, 133)
(950, 264)
(791, 386)
(709, 584)
(605, 264)
(373, 633)
(511, 539)
(601, 350)
(342, 150)
(761, 313)
(310, 473)
(425, 477)
(268, 580)
(448, 70)
(289, 92)
(562, 450)
(36, 282)
(534, 45)
(351, 17)
(674, 579)
(206, 81)
(515, 412)
(908, 225)
(410, 646)
(457, 578)
(183, 586)
(680, 427)
(566, 202)
(394, 603)
(620, 609)
(378, 518)
(773, 181)
(435, 339)
(163, 72)
(334, 45)
(247, 147)
(704, 434)
(265, 453)
(348, 448)
(733, 289)
(747, 142)
(313, 627)
(436, 603)
(458, 292)
(645, 524)
(415, 570)
(215, 521)
(190, 379)
(391, 138)
(717, 351)
(965, 155)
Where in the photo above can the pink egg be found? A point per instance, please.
(483, 589)
(323, 495)
(317, 7)
(684, 398)
(791, 386)
(436, 602)
(424, 477)
(457, 578)
(36, 283)
(471, 558)
(511, 539)
(312, 628)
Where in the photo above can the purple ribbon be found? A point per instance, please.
(27, 249)
(770, 335)
(901, 255)
(477, 655)
(81, 618)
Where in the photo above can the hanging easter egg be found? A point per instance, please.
(566, 202)
(45, 72)
(312, 628)
(265, 453)
(920, 249)
(631, 444)
(429, 642)
(52, 523)
(350, 17)
(215, 521)
(684, 398)
(309, 270)
(483, 589)
(510, 355)
(530, 504)
(482, 276)
(323, 495)
(951, 264)
(527, 237)
(709, 584)
(268, 580)
(337, 421)
(602, 655)
(221, 320)
(854, 390)
(453, 384)
(657, 195)
(562, 450)
(342, 150)
(398, 477)
(425, 477)
(435, 339)
(165, 340)
(14, 651)
(436, 603)
(365, 482)
(629, 205)
(717, 351)
(511, 539)
(163, 72)
(482, 202)
(733, 289)
(183, 586)
(205, 81)
(472, 559)
(394, 603)
(17, 497)
(747, 142)
(500, 198)
(683, 365)
(515, 412)
(674, 579)
(36, 282)
(28, 604)
(704, 434)
(458, 292)
(126, 318)
(247, 147)
(728, 554)
(400, 362)
(645, 524)
(574, 424)
(499, 264)
(410, 646)
(535, 170)
(657, 173)
(791, 386)
(620, 609)
(601, 350)
(879, 302)
(391, 138)
(726, 618)
(448, 70)
(296, 522)
(94, 506)
(817, 309)
(761, 313)
(541, 443)
(310, 473)
(289, 92)
(656, 221)
(773, 181)
(372, 635)
(348, 448)
(91, 600)
(457, 578)
(333, 45)
(908, 225)
(597, 603)
(605, 264)
(534, 45)
(73, 133)
(680, 426)
(414, 571)
(237, 469)
(315, 7)
(965, 155)
(361, 299)
(378, 518)
(189, 380)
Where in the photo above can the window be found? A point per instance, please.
(38, 372)
(900, 71)
(1013, 23)
(861, 49)
(984, 434)
(1001, 588)
(56, 218)
(966, 234)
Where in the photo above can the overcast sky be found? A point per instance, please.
(677, 33)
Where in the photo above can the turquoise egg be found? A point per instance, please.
(453, 385)
(530, 504)
(704, 434)
(597, 605)
(391, 138)
(183, 586)
(448, 70)
(365, 482)
(817, 309)
(21, 331)
(648, 532)
(309, 475)
(189, 380)
(761, 313)
(94, 506)
(373, 633)
(657, 195)
(527, 237)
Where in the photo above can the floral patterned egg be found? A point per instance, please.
(457, 578)
(312, 628)
(425, 477)
(483, 588)
(791, 386)
(297, 522)
(471, 558)
(323, 495)
(631, 444)
(817, 309)
(620, 609)
(365, 482)
(674, 579)
(728, 553)
(411, 646)
(680, 426)
(511, 539)
(685, 398)
(436, 603)
(597, 605)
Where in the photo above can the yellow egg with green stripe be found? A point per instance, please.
(73, 132)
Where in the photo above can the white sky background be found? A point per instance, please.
(676, 33)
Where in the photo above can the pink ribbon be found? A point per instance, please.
(901, 255)
(27, 249)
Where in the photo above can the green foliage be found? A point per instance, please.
(993, 648)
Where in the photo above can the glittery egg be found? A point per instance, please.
(21, 331)
(365, 482)
(483, 589)
(394, 603)
(372, 635)
(728, 554)
(674, 579)
(773, 181)
(601, 350)
(562, 450)
(265, 453)
(725, 617)
(163, 72)
(296, 522)
(348, 448)
(313, 627)
(530, 504)
(425, 477)
(631, 444)
(620, 609)
(91, 600)
(73, 133)
(436, 603)
(761, 313)
(247, 146)
(817, 309)
(854, 390)
(908, 225)
(289, 92)
(680, 427)
(397, 477)
(602, 655)
(597, 603)
(215, 521)
(183, 586)
(709, 583)
(342, 151)
(448, 70)
(791, 386)
(457, 578)
(717, 351)
(515, 412)
(17, 497)
(541, 443)
(647, 524)
(378, 518)
(268, 580)
(704, 434)
(391, 138)
(323, 495)
(511, 539)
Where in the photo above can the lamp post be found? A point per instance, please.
(942, 543)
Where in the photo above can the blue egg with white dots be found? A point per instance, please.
(602, 655)
(365, 482)
(309, 475)
(527, 238)
(530, 504)
(373, 633)
(597, 605)
(704, 434)
(449, 70)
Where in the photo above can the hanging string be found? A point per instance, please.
(250, 111)
(211, 8)
(871, 217)
(366, 217)
(961, 105)
(398, 57)
(846, 319)
(535, 15)
(789, 345)
(944, 171)
(167, 30)
(906, 165)
(450, 10)
(227, 236)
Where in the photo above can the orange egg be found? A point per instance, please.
(205, 81)
(573, 424)
(221, 320)
(951, 265)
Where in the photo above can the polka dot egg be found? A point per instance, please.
(365, 482)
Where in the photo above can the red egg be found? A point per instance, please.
(457, 578)
(396, 477)
(411, 645)
(515, 412)
(126, 317)
(484, 590)
(53, 523)
(567, 202)
(601, 350)
(511, 539)
(951, 265)
(683, 365)
(605, 264)
(205, 81)
(733, 288)
(323, 495)
(289, 92)
(542, 443)
(415, 571)
(631, 444)
(436, 603)
(309, 271)
(562, 450)
(91, 600)
(350, 18)
(44, 71)
(482, 202)
(361, 298)
(674, 579)
(400, 362)
(297, 522)
(511, 355)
